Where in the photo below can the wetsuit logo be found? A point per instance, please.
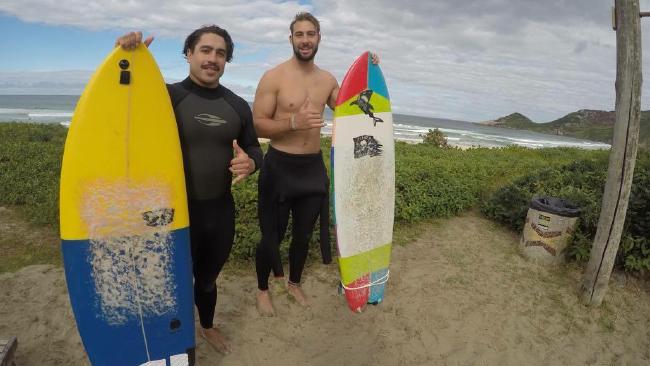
(366, 145)
(364, 104)
(210, 120)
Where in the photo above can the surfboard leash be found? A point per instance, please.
(379, 281)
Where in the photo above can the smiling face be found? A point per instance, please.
(304, 40)
(207, 60)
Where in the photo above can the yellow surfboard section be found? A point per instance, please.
(379, 103)
(122, 160)
(357, 266)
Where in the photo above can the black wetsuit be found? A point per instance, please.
(208, 121)
(295, 183)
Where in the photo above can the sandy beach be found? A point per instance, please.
(451, 300)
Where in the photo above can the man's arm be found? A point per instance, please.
(265, 106)
(248, 139)
(331, 102)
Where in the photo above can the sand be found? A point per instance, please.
(461, 294)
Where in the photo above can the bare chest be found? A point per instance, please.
(295, 90)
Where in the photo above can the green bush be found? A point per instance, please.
(30, 166)
(581, 182)
(635, 245)
(434, 182)
(436, 138)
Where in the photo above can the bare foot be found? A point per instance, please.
(295, 291)
(216, 340)
(264, 305)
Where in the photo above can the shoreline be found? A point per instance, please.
(460, 137)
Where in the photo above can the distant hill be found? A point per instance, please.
(583, 124)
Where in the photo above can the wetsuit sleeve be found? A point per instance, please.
(247, 139)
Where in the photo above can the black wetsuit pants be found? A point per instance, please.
(212, 231)
(293, 184)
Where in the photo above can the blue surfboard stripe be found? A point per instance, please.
(123, 344)
(376, 80)
(377, 291)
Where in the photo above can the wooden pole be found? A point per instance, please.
(623, 153)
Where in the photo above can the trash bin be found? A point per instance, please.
(549, 224)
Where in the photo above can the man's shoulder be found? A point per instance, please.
(177, 92)
(272, 78)
(277, 70)
(176, 85)
(234, 98)
(326, 74)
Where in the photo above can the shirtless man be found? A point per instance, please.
(288, 109)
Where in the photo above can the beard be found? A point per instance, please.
(300, 57)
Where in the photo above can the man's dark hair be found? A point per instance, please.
(305, 16)
(194, 37)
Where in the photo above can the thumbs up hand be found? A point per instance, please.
(306, 118)
(241, 166)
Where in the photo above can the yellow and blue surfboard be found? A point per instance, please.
(124, 220)
(363, 168)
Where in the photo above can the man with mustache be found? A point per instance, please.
(288, 109)
(212, 122)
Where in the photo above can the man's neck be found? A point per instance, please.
(199, 83)
(303, 65)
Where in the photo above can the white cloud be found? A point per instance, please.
(67, 82)
(461, 59)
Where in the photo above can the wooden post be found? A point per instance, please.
(623, 153)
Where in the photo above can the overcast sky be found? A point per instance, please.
(470, 60)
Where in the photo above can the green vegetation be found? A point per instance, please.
(30, 164)
(433, 182)
(436, 138)
(516, 121)
(430, 182)
(582, 182)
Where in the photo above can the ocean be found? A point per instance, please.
(60, 108)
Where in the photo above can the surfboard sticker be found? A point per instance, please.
(363, 166)
(366, 145)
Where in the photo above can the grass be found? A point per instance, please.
(23, 243)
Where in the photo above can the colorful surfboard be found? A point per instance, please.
(124, 220)
(363, 168)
